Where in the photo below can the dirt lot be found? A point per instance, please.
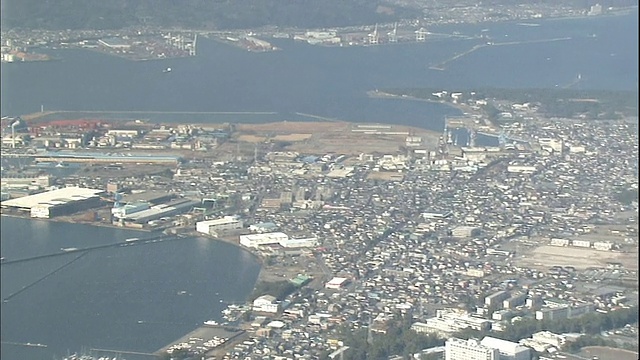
(283, 137)
(385, 176)
(332, 137)
(251, 138)
(292, 127)
(608, 353)
(546, 256)
(292, 137)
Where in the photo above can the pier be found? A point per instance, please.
(122, 352)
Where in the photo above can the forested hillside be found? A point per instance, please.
(210, 14)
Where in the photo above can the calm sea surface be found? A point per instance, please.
(330, 82)
(122, 298)
(100, 299)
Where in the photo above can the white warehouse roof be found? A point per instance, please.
(502, 345)
(59, 196)
(222, 221)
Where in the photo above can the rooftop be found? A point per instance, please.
(59, 196)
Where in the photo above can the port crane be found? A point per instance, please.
(393, 35)
(373, 37)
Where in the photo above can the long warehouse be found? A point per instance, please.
(55, 202)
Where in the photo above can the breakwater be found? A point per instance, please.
(85, 249)
(442, 66)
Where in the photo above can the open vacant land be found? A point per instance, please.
(333, 137)
(608, 353)
(386, 176)
(546, 256)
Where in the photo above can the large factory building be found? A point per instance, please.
(58, 202)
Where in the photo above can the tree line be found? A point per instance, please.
(563, 103)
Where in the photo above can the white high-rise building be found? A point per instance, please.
(459, 349)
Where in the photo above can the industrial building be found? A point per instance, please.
(122, 211)
(255, 240)
(214, 227)
(56, 202)
(282, 239)
(141, 218)
(471, 349)
(152, 197)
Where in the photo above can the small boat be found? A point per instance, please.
(167, 70)
(211, 322)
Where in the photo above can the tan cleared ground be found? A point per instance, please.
(334, 136)
(546, 256)
(292, 127)
(608, 353)
(252, 138)
(385, 176)
(292, 137)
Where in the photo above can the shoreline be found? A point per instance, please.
(262, 274)
(69, 221)
(616, 12)
(43, 117)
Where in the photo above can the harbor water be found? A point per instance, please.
(133, 298)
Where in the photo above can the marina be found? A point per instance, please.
(207, 339)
